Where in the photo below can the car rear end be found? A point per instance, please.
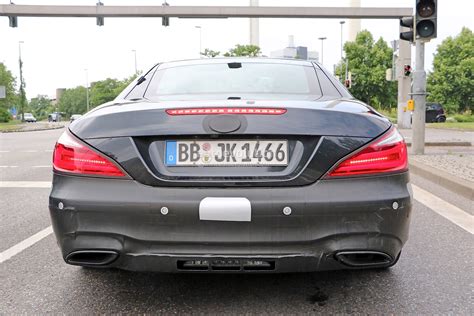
(299, 180)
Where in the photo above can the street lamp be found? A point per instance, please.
(87, 89)
(22, 83)
(200, 39)
(322, 48)
(342, 23)
(135, 53)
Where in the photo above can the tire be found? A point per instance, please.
(441, 119)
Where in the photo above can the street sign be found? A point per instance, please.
(3, 92)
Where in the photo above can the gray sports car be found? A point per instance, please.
(232, 165)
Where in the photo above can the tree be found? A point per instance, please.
(8, 80)
(368, 61)
(244, 50)
(73, 101)
(452, 81)
(210, 53)
(41, 106)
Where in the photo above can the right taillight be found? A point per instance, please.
(386, 154)
(71, 156)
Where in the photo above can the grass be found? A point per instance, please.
(465, 126)
(12, 125)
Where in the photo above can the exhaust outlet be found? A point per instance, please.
(360, 259)
(92, 257)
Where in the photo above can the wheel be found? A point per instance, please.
(441, 119)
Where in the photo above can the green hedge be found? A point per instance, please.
(4, 116)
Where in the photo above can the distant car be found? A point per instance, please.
(28, 117)
(434, 113)
(75, 117)
(54, 117)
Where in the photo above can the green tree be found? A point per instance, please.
(107, 90)
(244, 50)
(73, 101)
(452, 81)
(210, 53)
(8, 80)
(41, 106)
(368, 61)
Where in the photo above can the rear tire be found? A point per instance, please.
(441, 119)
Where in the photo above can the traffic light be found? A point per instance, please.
(407, 70)
(426, 19)
(13, 21)
(100, 19)
(409, 22)
(165, 21)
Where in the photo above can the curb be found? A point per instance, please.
(446, 180)
(446, 144)
(32, 130)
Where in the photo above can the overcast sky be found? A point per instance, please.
(57, 50)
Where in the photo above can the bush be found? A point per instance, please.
(464, 118)
(4, 116)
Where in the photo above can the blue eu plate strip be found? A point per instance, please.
(170, 153)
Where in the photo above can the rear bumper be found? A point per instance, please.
(123, 217)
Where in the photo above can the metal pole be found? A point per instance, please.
(322, 49)
(419, 95)
(22, 84)
(342, 48)
(404, 83)
(135, 53)
(87, 89)
(200, 39)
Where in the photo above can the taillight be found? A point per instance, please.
(386, 154)
(72, 156)
(241, 110)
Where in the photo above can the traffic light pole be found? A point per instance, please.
(404, 82)
(419, 96)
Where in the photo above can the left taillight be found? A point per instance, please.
(385, 155)
(71, 156)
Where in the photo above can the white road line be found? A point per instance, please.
(445, 209)
(45, 166)
(4, 151)
(25, 184)
(29, 151)
(8, 166)
(48, 150)
(28, 242)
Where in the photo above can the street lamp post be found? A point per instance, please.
(22, 84)
(322, 48)
(200, 39)
(87, 89)
(135, 54)
(342, 47)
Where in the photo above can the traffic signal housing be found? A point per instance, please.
(426, 19)
(407, 70)
(100, 19)
(165, 21)
(408, 22)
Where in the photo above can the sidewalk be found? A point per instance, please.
(38, 126)
(442, 137)
(447, 165)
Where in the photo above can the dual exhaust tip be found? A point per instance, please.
(92, 257)
(364, 259)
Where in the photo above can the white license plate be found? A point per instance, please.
(226, 153)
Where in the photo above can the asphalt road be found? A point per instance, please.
(433, 276)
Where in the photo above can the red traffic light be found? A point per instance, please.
(407, 70)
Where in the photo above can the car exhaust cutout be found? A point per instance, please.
(361, 259)
(92, 257)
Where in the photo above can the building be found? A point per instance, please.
(297, 52)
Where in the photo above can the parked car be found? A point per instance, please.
(75, 117)
(232, 165)
(54, 117)
(434, 113)
(28, 117)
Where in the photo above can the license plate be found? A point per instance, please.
(226, 153)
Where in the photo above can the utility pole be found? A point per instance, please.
(22, 84)
(342, 49)
(135, 54)
(200, 39)
(419, 95)
(87, 89)
(322, 48)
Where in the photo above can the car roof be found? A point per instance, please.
(225, 60)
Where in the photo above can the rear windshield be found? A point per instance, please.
(234, 81)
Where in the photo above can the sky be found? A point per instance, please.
(57, 51)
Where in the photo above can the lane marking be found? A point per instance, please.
(8, 166)
(445, 209)
(48, 150)
(4, 151)
(44, 166)
(25, 184)
(28, 242)
(29, 151)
